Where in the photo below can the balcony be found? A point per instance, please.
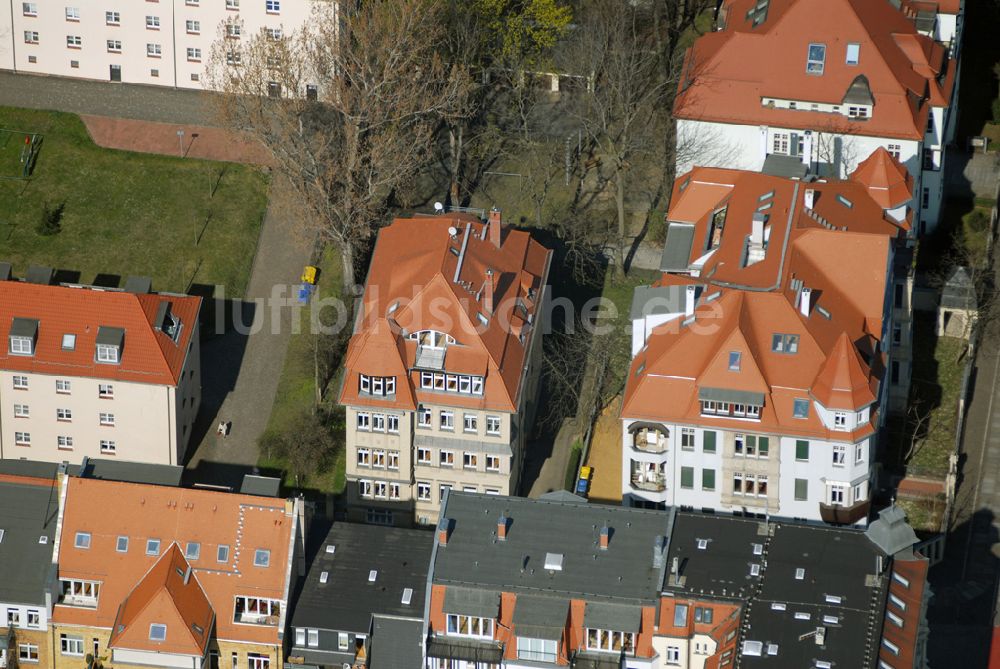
(649, 482)
(837, 514)
(430, 357)
(649, 439)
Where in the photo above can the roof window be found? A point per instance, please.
(702, 544)
(853, 52)
(23, 333)
(262, 557)
(324, 577)
(372, 575)
(816, 59)
(800, 574)
(69, 342)
(157, 632)
(554, 561)
(407, 596)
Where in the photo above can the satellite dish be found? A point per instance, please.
(453, 231)
(438, 207)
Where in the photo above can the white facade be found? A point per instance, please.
(157, 42)
(747, 146)
(53, 418)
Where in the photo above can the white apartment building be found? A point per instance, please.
(157, 42)
(94, 372)
(758, 379)
(816, 88)
(442, 371)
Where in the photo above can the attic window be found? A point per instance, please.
(772, 649)
(831, 620)
(43, 540)
(844, 201)
(192, 550)
(262, 557)
(198, 629)
(816, 59)
(823, 312)
(766, 196)
(853, 52)
(785, 343)
(778, 606)
(802, 615)
(758, 549)
(324, 577)
(684, 184)
(800, 574)
(753, 648)
(834, 599)
(734, 361)
(157, 632)
(23, 332)
(107, 354)
(702, 544)
(755, 569)
(482, 319)
(407, 596)
(69, 342)
(372, 575)
(330, 549)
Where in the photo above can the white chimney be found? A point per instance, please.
(810, 198)
(804, 301)
(689, 301)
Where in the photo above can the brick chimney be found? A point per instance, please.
(495, 226)
(502, 528)
(605, 537)
(444, 531)
(488, 292)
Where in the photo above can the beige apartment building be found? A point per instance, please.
(95, 372)
(158, 42)
(442, 371)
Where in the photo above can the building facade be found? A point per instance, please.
(175, 577)
(161, 43)
(789, 87)
(768, 331)
(97, 372)
(442, 370)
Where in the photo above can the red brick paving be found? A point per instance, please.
(150, 137)
(920, 487)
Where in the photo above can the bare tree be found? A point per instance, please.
(615, 47)
(347, 107)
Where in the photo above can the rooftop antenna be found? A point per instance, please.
(438, 207)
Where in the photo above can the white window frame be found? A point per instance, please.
(392, 423)
(194, 54)
(20, 382)
(493, 425)
(839, 452)
(64, 414)
(106, 419)
(71, 644)
(446, 420)
(22, 438)
(31, 37)
(29, 8)
(192, 27)
(22, 411)
(112, 18)
(64, 387)
(446, 458)
(364, 421)
(79, 592)
(470, 423)
(423, 491)
(424, 455)
(109, 446)
(815, 64)
(105, 390)
(424, 416)
(607, 644)
(154, 50)
(492, 463)
(152, 22)
(64, 442)
(74, 41)
(21, 346)
(272, 6)
(27, 653)
(453, 625)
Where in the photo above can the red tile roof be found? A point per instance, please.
(839, 251)
(210, 518)
(442, 273)
(163, 597)
(729, 73)
(147, 356)
(887, 180)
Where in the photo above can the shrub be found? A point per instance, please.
(50, 222)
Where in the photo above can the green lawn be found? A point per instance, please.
(130, 213)
(297, 394)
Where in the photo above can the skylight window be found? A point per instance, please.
(372, 575)
(69, 342)
(785, 343)
(702, 544)
(853, 52)
(831, 620)
(192, 550)
(157, 632)
(734, 361)
(755, 570)
(834, 599)
(407, 596)
(324, 577)
(758, 549)
(1, 536)
(800, 574)
(82, 540)
(122, 545)
(330, 549)
(778, 606)
(222, 554)
(261, 557)
(152, 547)
(802, 615)
(800, 408)
(816, 59)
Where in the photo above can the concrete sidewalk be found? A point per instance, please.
(100, 98)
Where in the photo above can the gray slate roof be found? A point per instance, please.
(475, 558)
(27, 512)
(347, 601)
(650, 301)
(677, 249)
(789, 167)
(397, 643)
(98, 468)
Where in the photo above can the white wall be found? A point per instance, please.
(94, 60)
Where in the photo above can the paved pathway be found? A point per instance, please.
(146, 103)
(972, 174)
(246, 400)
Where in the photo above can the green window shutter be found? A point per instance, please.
(687, 477)
(801, 450)
(763, 443)
(708, 441)
(708, 479)
(801, 490)
(751, 443)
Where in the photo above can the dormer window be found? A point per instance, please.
(734, 361)
(816, 59)
(853, 53)
(23, 332)
(785, 343)
(109, 345)
(380, 386)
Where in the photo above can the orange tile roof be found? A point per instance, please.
(840, 252)
(147, 356)
(162, 597)
(887, 180)
(728, 73)
(412, 287)
(211, 518)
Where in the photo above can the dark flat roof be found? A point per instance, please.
(27, 512)
(347, 601)
(397, 643)
(536, 527)
(98, 468)
(838, 590)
